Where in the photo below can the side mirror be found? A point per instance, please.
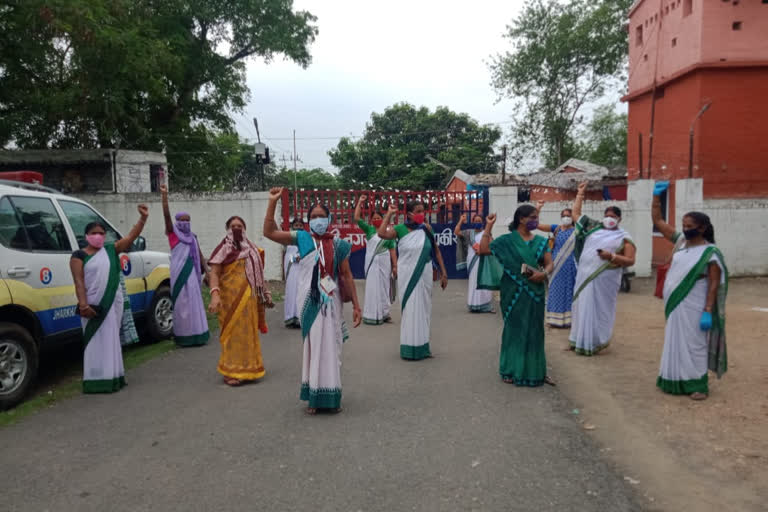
(140, 244)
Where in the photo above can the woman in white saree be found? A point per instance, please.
(417, 250)
(324, 278)
(96, 272)
(478, 301)
(380, 266)
(291, 276)
(602, 250)
(695, 290)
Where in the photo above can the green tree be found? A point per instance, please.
(604, 141)
(144, 74)
(400, 148)
(564, 56)
(304, 178)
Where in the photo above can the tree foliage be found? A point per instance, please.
(139, 74)
(400, 148)
(563, 57)
(604, 141)
(304, 178)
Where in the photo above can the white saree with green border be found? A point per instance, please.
(414, 285)
(103, 370)
(689, 351)
(597, 286)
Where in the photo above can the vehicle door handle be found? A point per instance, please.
(18, 272)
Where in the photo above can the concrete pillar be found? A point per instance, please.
(503, 202)
(637, 221)
(689, 196)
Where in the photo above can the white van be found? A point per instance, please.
(39, 230)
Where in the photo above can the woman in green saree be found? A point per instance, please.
(518, 265)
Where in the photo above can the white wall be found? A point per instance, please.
(741, 226)
(636, 216)
(209, 212)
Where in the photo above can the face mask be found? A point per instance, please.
(531, 225)
(95, 240)
(376, 223)
(183, 225)
(319, 225)
(566, 221)
(418, 218)
(690, 234)
(610, 222)
(237, 234)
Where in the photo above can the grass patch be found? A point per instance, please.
(69, 381)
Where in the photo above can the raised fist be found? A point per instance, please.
(275, 193)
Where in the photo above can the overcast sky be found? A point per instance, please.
(370, 54)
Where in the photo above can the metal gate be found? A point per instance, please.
(442, 208)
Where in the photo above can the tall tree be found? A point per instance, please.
(404, 147)
(144, 74)
(563, 57)
(604, 141)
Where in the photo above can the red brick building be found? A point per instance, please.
(701, 65)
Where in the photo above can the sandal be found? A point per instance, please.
(507, 380)
(698, 396)
(549, 380)
(231, 381)
(311, 411)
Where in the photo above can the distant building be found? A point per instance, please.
(91, 170)
(557, 185)
(561, 184)
(684, 55)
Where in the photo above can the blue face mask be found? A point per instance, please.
(319, 225)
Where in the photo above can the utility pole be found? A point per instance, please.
(295, 179)
(504, 164)
(690, 141)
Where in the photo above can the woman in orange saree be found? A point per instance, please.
(239, 295)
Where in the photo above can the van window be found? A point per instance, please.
(37, 225)
(12, 234)
(80, 215)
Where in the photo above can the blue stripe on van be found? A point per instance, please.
(56, 320)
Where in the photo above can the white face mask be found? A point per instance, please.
(566, 221)
(610, 222)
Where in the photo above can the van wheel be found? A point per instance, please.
(160, 315)
(18, 364)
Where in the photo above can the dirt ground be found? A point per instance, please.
(681, 454)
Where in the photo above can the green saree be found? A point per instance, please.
(522, 359)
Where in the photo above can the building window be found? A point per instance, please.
(687, 7)
(674, 42)
(736, 25)
(639, 35)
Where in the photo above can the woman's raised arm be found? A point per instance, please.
(124, 244)
(166, 210)
(270, 225)
(385, 231)
(664, 228)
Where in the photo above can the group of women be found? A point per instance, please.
(573, 282)
(584, 281)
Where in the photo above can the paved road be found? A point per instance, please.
(437, 435)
